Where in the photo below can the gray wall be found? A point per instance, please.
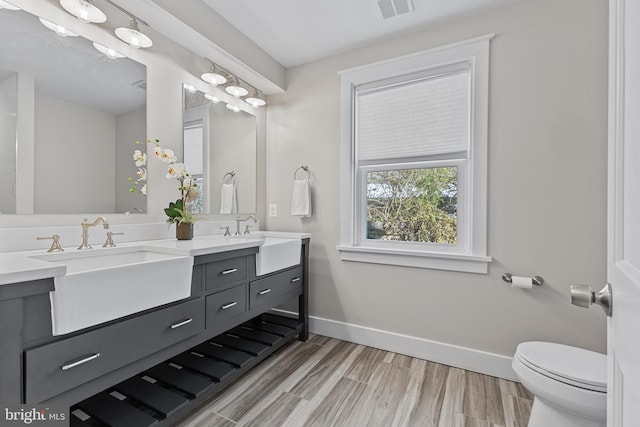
(547, 185)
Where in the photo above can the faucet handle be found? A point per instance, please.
(226, 230)
(246, 229)
(109, 243)
(55, 245)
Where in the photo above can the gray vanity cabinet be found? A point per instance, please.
(226, 295)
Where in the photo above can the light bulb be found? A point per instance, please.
(84, 11)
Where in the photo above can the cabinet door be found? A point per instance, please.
(225, 305)
(264, 292)
(222, 273)
(60, 366)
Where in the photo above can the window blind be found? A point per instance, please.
(420, 118)
(193, 137)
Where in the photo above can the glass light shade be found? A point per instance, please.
(236, 90)
(58, 29)
(256, 99)
(233, 108)
(9, 6)
(84, 11)
(109, 53)
(212, 98)
(133, 36)
(213, 78)
(190, 88)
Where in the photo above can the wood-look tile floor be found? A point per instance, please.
(327, 382)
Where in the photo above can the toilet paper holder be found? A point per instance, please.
(536, 280)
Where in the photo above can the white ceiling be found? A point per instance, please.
(294, 32)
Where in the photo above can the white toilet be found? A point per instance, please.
(569, 384)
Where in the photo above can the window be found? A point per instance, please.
(414, 159)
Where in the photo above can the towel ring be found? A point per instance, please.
(304, 168)
(232, 174)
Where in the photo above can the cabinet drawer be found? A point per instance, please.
(60, 366)
(225, 272)
(264, 291)
(225, 305)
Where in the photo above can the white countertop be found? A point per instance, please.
(16, 267)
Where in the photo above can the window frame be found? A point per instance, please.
(470, 252)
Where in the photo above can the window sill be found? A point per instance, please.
(418, 259)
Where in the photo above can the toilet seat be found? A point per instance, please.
(569, 365)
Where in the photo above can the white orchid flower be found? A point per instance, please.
(157, 152)
(142, 174)
(143, 190)
(140, 158)
(176, 170)
(168, 156)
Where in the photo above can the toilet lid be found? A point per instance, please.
(571, 365)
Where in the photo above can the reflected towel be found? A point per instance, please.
(301, 200)
(228, 199)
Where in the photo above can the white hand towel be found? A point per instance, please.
(228, 199)
(301, 200)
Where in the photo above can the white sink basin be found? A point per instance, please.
(104, 285)
(277, 253)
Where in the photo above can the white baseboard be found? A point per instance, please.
(483, 362)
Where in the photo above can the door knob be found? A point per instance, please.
(583, 296)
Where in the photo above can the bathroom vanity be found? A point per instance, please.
(151, 367)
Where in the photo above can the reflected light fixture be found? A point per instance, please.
(109, 53)
(133, 36)
(233, 108)
(256, 99)
(190, 88)
(212, 98)
(235, 89)
(58, 29)
(8, 6)
(84, 11)
(213, 77)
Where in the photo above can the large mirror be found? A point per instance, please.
(69, 119)
(220, 149)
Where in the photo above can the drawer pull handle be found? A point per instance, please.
(80, 362)
(184, 322)
(297, 279)
(233, 270)
(264, 291)
(229, 305)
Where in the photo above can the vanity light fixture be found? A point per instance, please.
(84, 11)
(8, 6)
(214, 77)
(58, 29)
(233, 108)
(190, 88)
(235, 89)
(107, 51)
(256, 99)
(133, 35)
(212, 98)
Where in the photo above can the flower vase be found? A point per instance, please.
(184, 231)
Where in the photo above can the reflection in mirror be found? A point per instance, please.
(220, 152)
(69, 117)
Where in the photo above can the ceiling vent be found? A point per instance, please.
(391, 8)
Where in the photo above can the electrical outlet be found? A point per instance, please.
(273, 209)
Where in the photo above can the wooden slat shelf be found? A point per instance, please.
(161, 394)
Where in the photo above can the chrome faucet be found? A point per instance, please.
(85, 230)
(239, 220)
